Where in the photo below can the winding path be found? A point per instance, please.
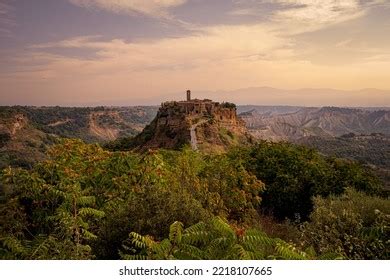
(194, 140)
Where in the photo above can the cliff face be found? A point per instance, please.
(21, 144)
(12, 125)
(203, 124)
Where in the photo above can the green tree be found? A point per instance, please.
(294, 174)
(45, 221)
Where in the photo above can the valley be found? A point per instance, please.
(27, 132)
(360, 134)
(326, 122)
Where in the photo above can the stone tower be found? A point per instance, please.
(188, 95)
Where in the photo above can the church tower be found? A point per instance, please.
(188, 95)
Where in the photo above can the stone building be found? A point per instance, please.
(194, 108)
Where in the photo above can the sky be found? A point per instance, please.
(133, 52)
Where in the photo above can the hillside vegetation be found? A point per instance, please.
(21, 144)
(85, 122)
(85, 202)
(371, 150)
(27, 132)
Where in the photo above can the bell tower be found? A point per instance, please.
(188, 95)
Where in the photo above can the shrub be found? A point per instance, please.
(214, 240)
(354, 225)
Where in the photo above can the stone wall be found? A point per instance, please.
(200, 108)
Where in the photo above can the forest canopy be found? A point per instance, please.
(85, 202)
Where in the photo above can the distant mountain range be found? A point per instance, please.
(308, 97)
(292, 123)
(312, 97)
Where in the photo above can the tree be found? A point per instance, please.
(294, 174)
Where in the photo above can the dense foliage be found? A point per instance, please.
(294, 174)
(214, 240)
(83, 202)
(372, 150)
(88, 199)
(353, 225)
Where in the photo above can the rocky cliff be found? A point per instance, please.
(203, 124)
(21, 144)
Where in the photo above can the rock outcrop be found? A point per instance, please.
(203, 124)
(22, 144)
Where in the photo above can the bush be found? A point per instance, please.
(4, 138)
(354, 225)
(213, 240)
(229, 105)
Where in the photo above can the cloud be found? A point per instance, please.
(75, 42)
(148, 68)
(219, 57)
(7, 20)
(153, 8)
(4, 9)
(319, 13)
(209, 57)
(299, 16)
(214, 45)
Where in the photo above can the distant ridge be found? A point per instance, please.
(309, 97)
(291, 124)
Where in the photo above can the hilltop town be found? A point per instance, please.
(203, 124)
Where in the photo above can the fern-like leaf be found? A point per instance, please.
(175, 232)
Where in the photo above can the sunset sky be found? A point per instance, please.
(131, 52)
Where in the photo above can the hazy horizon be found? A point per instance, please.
(136, 52)
(255, 96)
